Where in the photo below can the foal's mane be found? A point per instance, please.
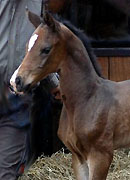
(85, 40)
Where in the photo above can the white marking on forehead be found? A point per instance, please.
(32, 41)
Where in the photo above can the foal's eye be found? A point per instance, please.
(46, 50)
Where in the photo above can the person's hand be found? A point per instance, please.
(56, 93)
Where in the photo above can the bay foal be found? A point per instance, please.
(95, 118)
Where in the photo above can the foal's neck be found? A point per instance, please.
(78, 77)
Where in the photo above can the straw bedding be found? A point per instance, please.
(59, 167)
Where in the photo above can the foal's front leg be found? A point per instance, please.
(80, 167)
(99, 163)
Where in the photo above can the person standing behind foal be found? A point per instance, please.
(15, 31)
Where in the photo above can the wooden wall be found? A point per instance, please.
(115, 68)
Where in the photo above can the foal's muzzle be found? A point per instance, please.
(20, 86)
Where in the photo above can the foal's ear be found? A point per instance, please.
(51, 22)
(33, 18)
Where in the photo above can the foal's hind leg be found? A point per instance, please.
(99, 163)
(80, 167)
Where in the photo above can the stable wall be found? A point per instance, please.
(115, 68)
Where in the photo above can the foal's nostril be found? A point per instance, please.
(18, 82)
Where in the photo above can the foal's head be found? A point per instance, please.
(44, 52)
